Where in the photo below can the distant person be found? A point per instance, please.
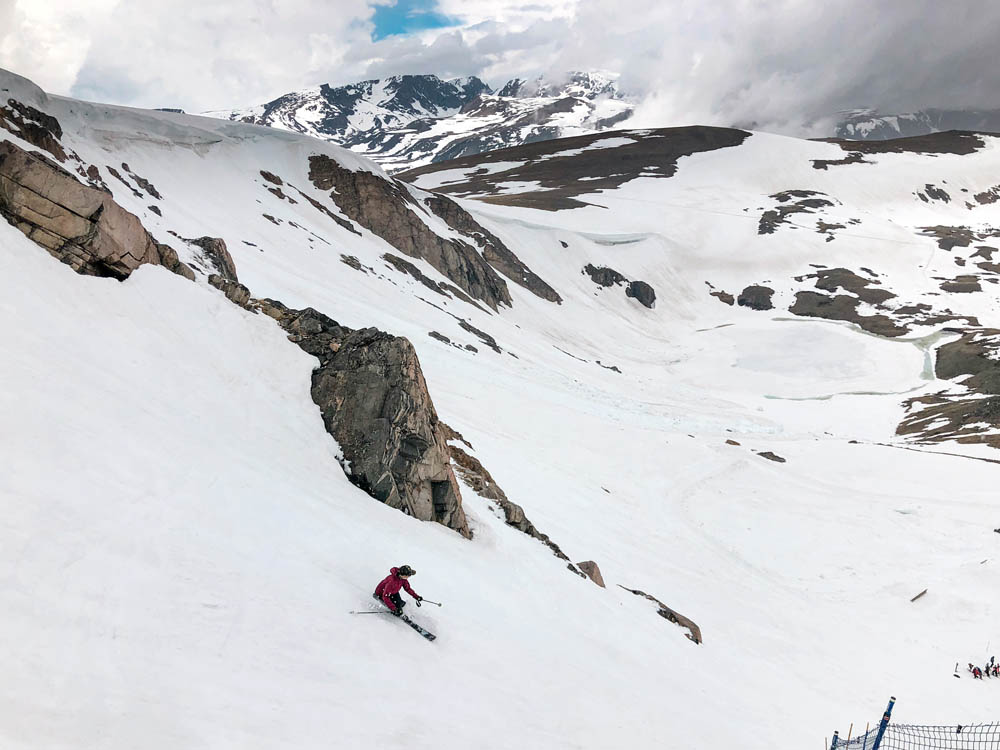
(387, 591)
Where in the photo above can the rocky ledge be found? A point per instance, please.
(374, 400)
(386, 208)
(78, 224)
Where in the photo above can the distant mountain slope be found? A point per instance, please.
(870, 125)
(407, 121)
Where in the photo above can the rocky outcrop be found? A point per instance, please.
(694, 632)
(214, 248)
(78, 224)
(592, 571)
(387, 209)
(374, 400)
(235, 292)
(606, 277)
(969, 415)
(33, 126)
(844, 307)
(756, 297)
(603, 276)
(497, 254)
(641, 292)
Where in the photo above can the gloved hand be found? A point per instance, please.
(418, 600)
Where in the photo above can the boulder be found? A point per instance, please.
(641, 292)
(589, 567)
(78, 224)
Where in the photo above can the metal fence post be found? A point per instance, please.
(884, 723)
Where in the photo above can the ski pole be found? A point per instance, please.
(430, 602)
(368, 612)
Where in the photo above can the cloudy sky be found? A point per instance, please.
(783, 65)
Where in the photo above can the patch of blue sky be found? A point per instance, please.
(408, 16)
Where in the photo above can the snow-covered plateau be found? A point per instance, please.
(751, 376)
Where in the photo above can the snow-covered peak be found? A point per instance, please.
(586, 85)
(409, 120)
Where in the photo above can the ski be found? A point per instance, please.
(425, 633)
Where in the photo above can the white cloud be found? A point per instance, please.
(783, 65)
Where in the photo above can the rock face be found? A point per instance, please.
(497, 254)
(218, 254)
(756, 298)
(374, 400)
(80, 225)
(389, 211)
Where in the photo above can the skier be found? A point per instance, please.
(387, 591)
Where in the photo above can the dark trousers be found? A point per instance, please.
(395, 599)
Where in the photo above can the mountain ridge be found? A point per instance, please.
(405, 121)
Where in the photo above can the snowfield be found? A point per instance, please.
(180, 550)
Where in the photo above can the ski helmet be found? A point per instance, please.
(406, 570)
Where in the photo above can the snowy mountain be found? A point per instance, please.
(747, 382)
(868, 124)
(405, 121)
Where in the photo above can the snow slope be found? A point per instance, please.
(180, 549)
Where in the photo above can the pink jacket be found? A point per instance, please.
(390, 585)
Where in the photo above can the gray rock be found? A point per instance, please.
(603, 276)
(235, 292)
(641, 292)
(756, 297)
(218, 255)
(374, 401)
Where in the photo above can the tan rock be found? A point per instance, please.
(593, 572)
(76, 223)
